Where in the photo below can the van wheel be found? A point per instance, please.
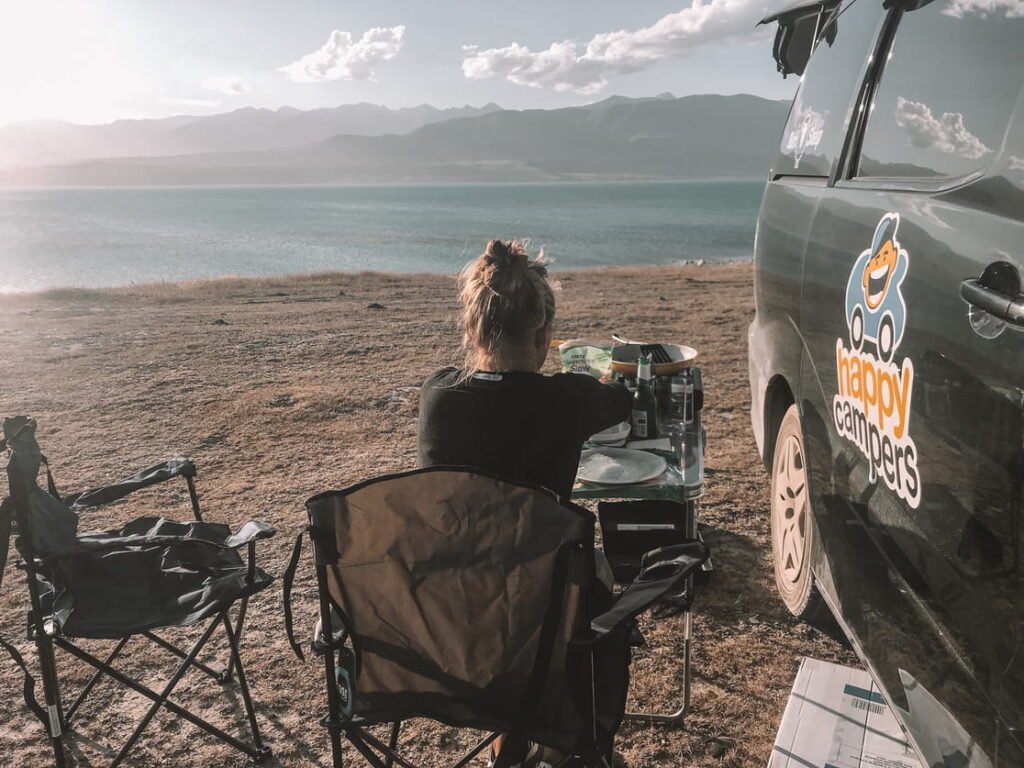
(857, 328)
(792, 522)
(886, 338)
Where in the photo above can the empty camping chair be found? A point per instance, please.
(151, 574)
(466, 599)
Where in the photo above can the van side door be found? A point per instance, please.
(921, 392)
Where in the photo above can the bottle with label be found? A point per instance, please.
(645, 405)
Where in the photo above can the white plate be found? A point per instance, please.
(609, 443)
(618, 466)
(614, 434)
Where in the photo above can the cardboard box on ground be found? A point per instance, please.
(836, 718)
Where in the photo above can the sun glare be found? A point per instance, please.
(59, 59)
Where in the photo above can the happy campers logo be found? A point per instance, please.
(872, 404)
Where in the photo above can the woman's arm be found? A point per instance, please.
(601, 405)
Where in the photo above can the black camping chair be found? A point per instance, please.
(466, 599)
(151, 574)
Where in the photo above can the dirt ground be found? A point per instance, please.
(280, 388)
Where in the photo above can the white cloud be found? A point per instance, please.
(341, 58)
(558, 67)
(1013, 9)
(205, 103)
(1015, 163)
(229, 85)
(564, 66)
(945, 134)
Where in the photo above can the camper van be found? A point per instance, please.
(887, 355)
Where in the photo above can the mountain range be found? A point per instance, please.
(661, 137)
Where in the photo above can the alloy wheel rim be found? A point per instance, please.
(791, 510)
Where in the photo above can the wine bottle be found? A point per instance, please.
(645, 404)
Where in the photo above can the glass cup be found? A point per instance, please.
(675, 431)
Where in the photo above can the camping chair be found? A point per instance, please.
(151, 574)
(456, 596)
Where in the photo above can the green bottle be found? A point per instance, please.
(645, 404)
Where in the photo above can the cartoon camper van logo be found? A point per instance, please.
(875, 309)
(874, 391)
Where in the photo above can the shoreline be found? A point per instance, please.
(385, 184)
(291, 278)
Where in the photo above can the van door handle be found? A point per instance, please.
(996, 303)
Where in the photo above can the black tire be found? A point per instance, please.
(857, 327)
(792, 523)
(886, 338)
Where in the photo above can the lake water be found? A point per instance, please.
(110, 237)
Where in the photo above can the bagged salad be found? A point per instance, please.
(590, 357)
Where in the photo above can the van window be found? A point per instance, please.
(814, 133)
(947, 91)
(1013, 158)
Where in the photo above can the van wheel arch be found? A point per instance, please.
(778, 398)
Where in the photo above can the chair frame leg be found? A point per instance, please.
(239, 623)
(257, 751)
(476, 750)
(94, 679)
(355, 738)
(171, 648)
(396, 727)
(673, 718)
(243, 683)
(365, 743)
(164, 694)
(333, 721)
(369, 739)
(51, 692)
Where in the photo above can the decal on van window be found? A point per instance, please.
(808, 128)
(872, 403)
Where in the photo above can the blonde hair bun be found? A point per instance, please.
(505, 295)
(507, 266)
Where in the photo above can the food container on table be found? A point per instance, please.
(625, 356)
(583, 356)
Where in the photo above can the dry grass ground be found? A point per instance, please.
(281, 388)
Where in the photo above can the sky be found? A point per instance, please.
(95, 61)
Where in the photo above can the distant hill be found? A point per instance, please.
(247, 129)
(653, 138)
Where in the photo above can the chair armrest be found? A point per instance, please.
(661, 570)
(252, 531)
(151, 475)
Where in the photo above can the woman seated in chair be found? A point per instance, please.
(499, 413)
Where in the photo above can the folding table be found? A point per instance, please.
(681, 484)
